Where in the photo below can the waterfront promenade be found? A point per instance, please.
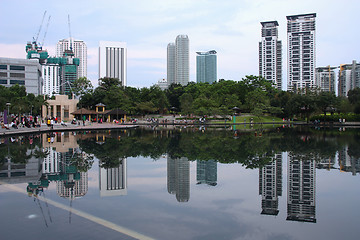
(69, 127)
(104, 126)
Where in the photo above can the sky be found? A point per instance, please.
(231, 27)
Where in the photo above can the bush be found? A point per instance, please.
(349, 117)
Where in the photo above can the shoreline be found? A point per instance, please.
(108, 126)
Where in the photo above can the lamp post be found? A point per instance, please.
(8, 108)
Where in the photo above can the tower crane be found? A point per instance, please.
(47, 26)
(42, 21)
(70, 43)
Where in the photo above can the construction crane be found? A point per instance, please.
(47, 26)
(70, 43)
(42, 21)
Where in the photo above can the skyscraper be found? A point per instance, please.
(178, 61)
(301, 51)
(349, 78)
(182, 60)
(171, 63)
(206, 67)
(80, 51)
(270, 54)
(113, 60)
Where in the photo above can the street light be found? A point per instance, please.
(8, 108)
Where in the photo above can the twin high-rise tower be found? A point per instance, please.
(178, 61)
(300, 52)
(270, 61)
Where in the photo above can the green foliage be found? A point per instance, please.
(253, 94)
(21, 102)
(82, 86)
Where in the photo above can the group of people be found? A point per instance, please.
(21, 121)
(54, 120)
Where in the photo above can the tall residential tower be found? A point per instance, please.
(80, 51)
(206, 67)
(270, 54)
(178, 61)
(301, 51)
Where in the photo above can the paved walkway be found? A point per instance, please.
(68, 127)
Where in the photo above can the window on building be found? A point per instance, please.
(17, 75)
(3, 67)
(20, 82)
(3, 81)
(19, 68)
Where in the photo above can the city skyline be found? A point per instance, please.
(231, 28)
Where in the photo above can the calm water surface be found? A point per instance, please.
(283, 183)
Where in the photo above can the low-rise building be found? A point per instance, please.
(24, 72)
(61, 107)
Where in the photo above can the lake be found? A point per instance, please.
(182, 183)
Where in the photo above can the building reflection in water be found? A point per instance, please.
(206, 172)
(270, 185)
(348, 163)
(13, 173)
(178, 178)
(113, 181)
(301, 189)
(58, 166)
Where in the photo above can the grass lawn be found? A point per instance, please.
(246, 119)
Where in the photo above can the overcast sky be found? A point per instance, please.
(232, 28)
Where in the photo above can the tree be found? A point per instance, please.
(82, 86)
(326, 101)
(173, 94)
(257, 102)
(354, 99)
(186, 101)
(354, 96)
(105, 83)
(158, 97)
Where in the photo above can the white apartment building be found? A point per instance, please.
(301, 51)
(182, 74)
(80, 51)
(325, 78)
(270, 54)
(178, 61)
(113, 60)
(51, 78)
(349, 78)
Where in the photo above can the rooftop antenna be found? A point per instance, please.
(70, 32)
(42, 21)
